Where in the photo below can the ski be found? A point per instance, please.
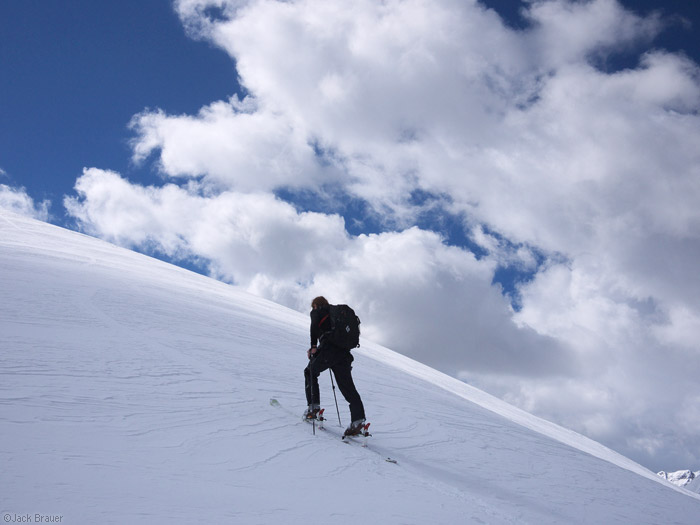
(361, 437)
(363, 433)
(319, 418)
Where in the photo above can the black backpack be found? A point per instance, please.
(345, 327)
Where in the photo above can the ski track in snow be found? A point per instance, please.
(132, 391)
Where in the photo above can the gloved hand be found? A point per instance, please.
(311, 351)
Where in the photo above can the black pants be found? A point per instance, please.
(340, 362)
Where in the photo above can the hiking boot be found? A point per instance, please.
(355, 428)
(312, 412)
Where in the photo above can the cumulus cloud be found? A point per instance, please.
(585, 177)
(18, 201)
(230, 144)
(265, 245)
(242, 234)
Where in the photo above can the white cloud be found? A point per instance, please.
(230, 144)
(436, 303)
(242, 234)
(519, 132)
(18, 201)
(569, 32)
(266, 246)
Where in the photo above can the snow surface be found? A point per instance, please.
(694, 486)
(134, 391)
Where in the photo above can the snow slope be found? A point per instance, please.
(133, 391)
(694, 486)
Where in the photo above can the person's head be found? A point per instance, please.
(318, 302)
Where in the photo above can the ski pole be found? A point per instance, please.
(334, 397)
(311, 385)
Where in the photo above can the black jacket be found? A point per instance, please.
(320, 323)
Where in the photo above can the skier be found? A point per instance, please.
(324, 355)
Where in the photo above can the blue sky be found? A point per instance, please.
(74, 73)
(507, 191)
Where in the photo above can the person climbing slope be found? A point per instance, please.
(324, 354)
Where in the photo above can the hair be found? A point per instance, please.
(319, 301)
